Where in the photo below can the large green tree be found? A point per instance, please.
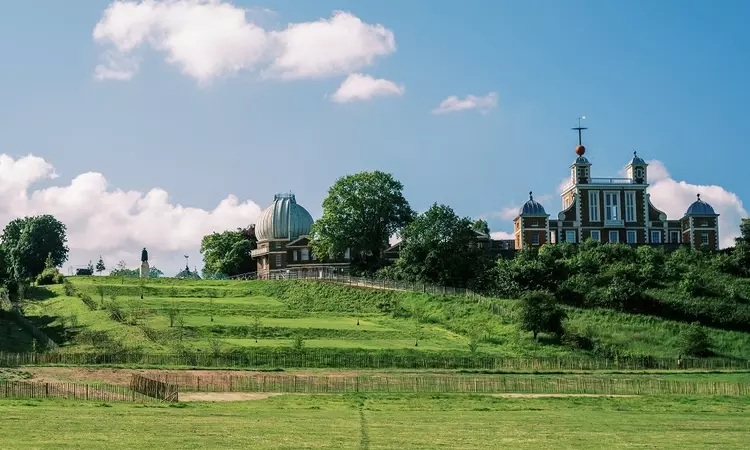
(482, 226)
(30, 241)
(440, 247)
(228, 253)
(360, 213)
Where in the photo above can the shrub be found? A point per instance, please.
(298, 343)
(49, 276)
(115, 310)
(69, 289)
(583, 340)
(695, 341)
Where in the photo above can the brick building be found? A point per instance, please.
(613, 210)
(283, 231)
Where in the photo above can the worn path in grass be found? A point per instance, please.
(383, 421)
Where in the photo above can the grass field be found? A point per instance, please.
(382, 422)
(219, 315)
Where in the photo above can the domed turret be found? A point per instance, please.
(700, 208)
(637, 160)
(532, 208)
(284, 219)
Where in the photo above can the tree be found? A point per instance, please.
(541, 314)
(440, 247)
(255, 327)
(153, 272)
(695, 341)
(100, 265)
(481, 226)
(29, 243)
(229, 252)
(361, 213)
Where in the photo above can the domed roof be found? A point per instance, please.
(637, 160)
(284, 219)
(532, 208)
(582, 160)
(700, 208)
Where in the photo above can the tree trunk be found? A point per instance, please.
(535, 335)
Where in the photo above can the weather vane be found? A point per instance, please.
(579, 128)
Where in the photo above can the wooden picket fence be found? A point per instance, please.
(364, 359)
(160, 390)
(69, 391)
(449, 384)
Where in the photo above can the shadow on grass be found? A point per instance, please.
(39, 293)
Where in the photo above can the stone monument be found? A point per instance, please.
(145, 270)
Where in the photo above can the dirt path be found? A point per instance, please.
(225, 396)
(557, 395)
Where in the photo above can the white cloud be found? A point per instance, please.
(674, 197)
(207, 39)
(454, 104)
(112, 222)
(364, 87)
(501, 235)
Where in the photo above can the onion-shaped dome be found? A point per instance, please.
(637, 160)
(532, 208)
(284, 219)
(700, 208)
(581, 160)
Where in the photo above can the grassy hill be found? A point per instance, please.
(219, 316)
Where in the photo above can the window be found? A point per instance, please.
(278, 260)
(656, 237)
(614, 236)
(553, 237)
(704, 238)
(674, 237)
(570, 236)
(294, 255)
(596, 235)
(305, 254)
(594, 206)
(534, 223)
(566, 202)
(704, 223)
(632, 237)
(611, 206)
(277, 245)
(630, 206)
(535, 239)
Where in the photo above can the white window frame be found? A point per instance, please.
(570, 233)
(631, 237)
(596, 235)
(295, 255)
(630, 215)
(278, 260)
(674, 237)
(304, 254)
(616, 234)
(704, 238)
(534, 238)
(656, 236)
(612, 209)
(594, 215)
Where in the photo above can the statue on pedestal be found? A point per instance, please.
(145, 270)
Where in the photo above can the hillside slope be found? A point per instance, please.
(219, 316)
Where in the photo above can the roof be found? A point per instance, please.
(700, 208)
(637, 160)
(284, 219)
(532, 208)
(582, 160)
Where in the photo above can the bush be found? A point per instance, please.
(695, 341)
(49, 276)
(582, 340)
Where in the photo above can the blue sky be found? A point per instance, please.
(666, 78)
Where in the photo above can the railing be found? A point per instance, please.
(611, 181)
(258, 252)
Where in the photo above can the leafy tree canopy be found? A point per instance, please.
(30, 241)
(228, 252)
(440, 247)
(100, 267)
(541, 314)
(360, 213)
(482, 226)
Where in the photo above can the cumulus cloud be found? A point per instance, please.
(115, 223)
(364, 87)
(673, 197)
(454, 104)
(213, 38)
(501, 235)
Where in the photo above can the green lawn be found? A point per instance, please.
(382, 422)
